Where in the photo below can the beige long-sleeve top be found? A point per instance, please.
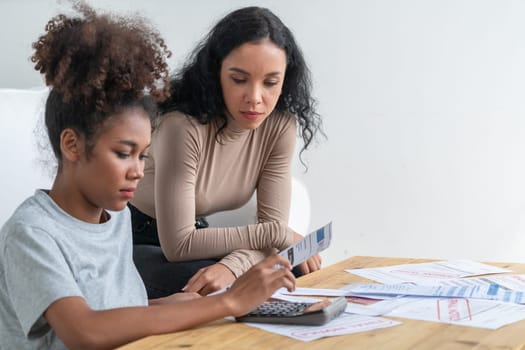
(190, 174)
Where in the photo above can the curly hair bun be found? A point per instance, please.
(102, 60)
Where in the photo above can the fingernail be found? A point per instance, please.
(184, 288)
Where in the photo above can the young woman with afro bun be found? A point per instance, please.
(67, 279)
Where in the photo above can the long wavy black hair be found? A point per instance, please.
(196, 88)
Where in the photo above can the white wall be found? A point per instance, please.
(423, 105)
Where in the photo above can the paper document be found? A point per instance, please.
(426, 273)
(324, 292)
(381, 307)
(310, 245)
(344, 324)
(465, 312)
(488, 292)
(513, 282)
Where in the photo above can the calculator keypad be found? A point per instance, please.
(279, 308)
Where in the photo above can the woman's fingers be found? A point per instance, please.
(210, 279)
(194, 284)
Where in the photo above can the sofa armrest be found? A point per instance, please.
(22, 154)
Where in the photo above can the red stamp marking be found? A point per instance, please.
(453, 310)
(362, 300)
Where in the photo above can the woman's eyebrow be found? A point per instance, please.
(242, 71)
(130, 143)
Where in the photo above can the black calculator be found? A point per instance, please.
(289, 312)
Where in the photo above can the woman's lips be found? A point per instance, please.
(128, 193)
(251, 115)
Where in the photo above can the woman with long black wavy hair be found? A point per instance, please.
(228, 130)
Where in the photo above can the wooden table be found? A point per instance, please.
(411, 334)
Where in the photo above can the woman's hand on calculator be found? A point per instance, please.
(258, 284)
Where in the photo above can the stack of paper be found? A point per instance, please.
(443, 291)
(440, 292)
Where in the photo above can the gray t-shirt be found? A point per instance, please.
(46, 254)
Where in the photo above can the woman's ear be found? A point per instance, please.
(70, 145)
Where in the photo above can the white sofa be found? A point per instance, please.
(28, 163)
(23, 158)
